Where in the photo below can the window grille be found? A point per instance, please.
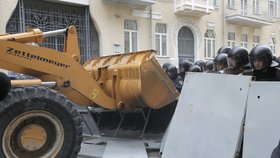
(49, 16)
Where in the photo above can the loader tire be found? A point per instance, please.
(39, 122)
(5, 85)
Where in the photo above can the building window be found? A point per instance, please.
(231, 4)
(231, 39)
(130, 36)
(256, 6)
(161, 39)
(273, 8)
(244, 41)
(215, 3)
(256, 40)
(244, 7)
(209, 41)
(271, 44)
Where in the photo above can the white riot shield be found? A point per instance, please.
(207, 120)
(262, 126)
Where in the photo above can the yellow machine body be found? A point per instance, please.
(122, 81)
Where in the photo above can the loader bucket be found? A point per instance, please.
(133, 80)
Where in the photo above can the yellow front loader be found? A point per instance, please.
(42, 122)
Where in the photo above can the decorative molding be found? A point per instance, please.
(232, 28)
(146, 14)
(190, 23)
(244, 30)
(257, 32)
(210, 25)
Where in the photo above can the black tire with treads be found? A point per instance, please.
(5, 85)
(29, 100)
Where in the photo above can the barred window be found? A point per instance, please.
(49, 16)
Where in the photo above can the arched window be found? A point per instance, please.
(209, 44)
(185, 44)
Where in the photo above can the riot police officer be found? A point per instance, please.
(238, 61)
(220, 63)
(264, 68)
(184, 67)
(171, 72)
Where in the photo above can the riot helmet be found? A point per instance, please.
(261, 57)
(165, 65)
(171, 72)
(195, 68)
(201, 64)
(220, 62)
(185, 65)
(238, 57)
(224, 49)
(209, 66)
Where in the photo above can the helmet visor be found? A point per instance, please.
(232, 61)
(259, 63)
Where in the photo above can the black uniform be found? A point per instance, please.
(171, 72)
(267, 74)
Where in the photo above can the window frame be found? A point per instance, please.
(212, 39)
(231, 4)
(244, 40)
(273, 12)
(130, 36)
(244, 7)
(256, 42)
(161, 35)
(256, 7)
(231, 42)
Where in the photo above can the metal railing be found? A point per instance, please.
(249, 11)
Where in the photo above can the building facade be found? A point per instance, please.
(177, 29)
